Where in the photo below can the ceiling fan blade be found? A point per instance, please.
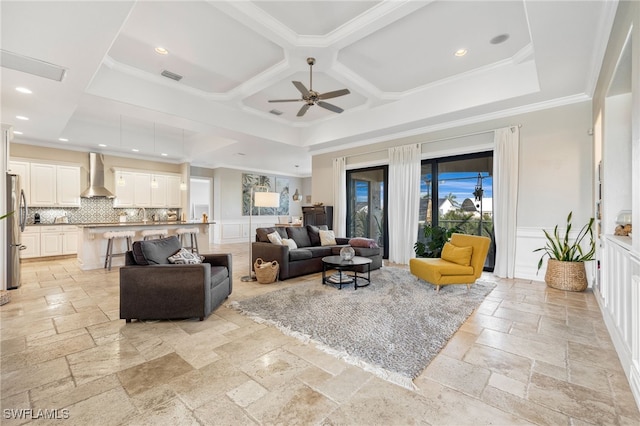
(329, 106)
(334, 94)
(286, 100)
(301, 88)
(304, 109)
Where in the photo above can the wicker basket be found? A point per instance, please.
(266, 272)
(5, 297)
(571, 276)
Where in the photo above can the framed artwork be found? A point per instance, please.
(270, 183)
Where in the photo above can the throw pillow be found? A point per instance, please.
(458, 255)
(184, 257)
(274, 237)
(289, 242)
(363, 242)
(314, 233)
(327, 238)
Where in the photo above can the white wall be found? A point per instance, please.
(555, 170)
(231, 225)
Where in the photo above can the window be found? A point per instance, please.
(458, 192)
(366, 205)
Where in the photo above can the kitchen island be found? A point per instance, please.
(92, 246)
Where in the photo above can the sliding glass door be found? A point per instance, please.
(366, 205)
(458, 192)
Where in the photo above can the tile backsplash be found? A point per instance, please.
(94, 210)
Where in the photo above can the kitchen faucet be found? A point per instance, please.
(144, 214)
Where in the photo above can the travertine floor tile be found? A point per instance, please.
(528, 355)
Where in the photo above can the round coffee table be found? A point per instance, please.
(337, 263)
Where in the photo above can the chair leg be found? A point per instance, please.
(437, 288)
(194, 244)
(108, 256)
(468, 286)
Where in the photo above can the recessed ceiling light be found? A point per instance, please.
(22, 117)
(164, 154)
(461, 52)
(135, 149)
(24, 90)
(16, 132)
(101, 145)
(499, 39)
(63, 139)
(161, 51)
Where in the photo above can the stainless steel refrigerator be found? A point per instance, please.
(15, 223)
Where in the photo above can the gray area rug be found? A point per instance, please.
(392, 328)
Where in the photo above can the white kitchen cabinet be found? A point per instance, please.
(21, 168)
(43, 184)
(142, 189)
(68, 186)
(124, 191)
(54, 185)
(69, 239)
(30, 238)
(50, 240)
(173, 191)
(159, 193)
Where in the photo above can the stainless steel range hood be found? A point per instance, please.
(96, 178)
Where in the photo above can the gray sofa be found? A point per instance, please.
(307, 258)
(153, 288)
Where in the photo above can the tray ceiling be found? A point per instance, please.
(396, 58)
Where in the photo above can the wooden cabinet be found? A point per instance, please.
(43, 184)
(158, 190)
(30, 238)
(54, 185)
(137, 190)
(173, 191)
(318, 215)
(49, 240)
(21, 168)
(67, 186)
(124, 189)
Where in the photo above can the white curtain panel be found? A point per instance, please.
(340, 196)
(404, 201)
(505, 198)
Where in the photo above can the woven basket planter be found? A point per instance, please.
(266, 272)
(5, 297)
(570, 276)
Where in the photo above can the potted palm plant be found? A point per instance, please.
(565, 268)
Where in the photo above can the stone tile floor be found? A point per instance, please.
(528, 355)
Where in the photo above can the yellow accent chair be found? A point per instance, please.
(461, 262)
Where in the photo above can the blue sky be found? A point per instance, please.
(461, 184)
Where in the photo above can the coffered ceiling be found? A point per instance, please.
(397, 58)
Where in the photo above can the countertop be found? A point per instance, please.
(123, 224)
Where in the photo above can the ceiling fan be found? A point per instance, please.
(311, 97)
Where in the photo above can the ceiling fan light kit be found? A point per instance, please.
(311, 97)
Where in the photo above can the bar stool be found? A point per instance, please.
(192, 233)
(111, 236)
(150, 234)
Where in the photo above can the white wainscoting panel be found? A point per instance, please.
(619, 300)
(238, 231)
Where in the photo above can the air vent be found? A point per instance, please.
(275, 112)
(33, 66)
(171, 75)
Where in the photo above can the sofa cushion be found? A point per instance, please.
(218, 274)
(299, 254)
(155, 252)
(327, 238)
(289, 242)
(275, 238)
(314, 233)
(321, 251)
(363, 242)
(299, 235)
(457, 255)
(184, 257)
